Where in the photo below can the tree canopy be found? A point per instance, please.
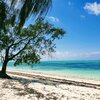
(30, 43)
(20, 10)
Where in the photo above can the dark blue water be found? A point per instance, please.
(61, 65)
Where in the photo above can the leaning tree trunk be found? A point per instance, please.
(5, 62)
(3, 70)
(4, 66)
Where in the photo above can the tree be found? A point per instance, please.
(28, 45)
(13, 15)
(25, 45)
(20, 10)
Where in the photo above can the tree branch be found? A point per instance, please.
(18, 42)
(19, 51)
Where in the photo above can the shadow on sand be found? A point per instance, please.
(24, 88)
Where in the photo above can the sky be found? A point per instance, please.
(81, 21)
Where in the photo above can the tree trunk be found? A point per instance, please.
(4, 66)
(5, 62)
(3, 71)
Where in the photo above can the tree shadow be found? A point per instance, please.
(24, 88)
(35, 80)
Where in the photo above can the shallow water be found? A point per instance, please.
(82, 69)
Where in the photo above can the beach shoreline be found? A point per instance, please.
(41, 86)
(55, 76)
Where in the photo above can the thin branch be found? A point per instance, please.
(18, 42)
(19, 51)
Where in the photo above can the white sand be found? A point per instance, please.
(43, 87)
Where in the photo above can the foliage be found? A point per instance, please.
(32, 42)
(20, 10)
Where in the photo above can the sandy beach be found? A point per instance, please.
(49, 49)
(39, 86)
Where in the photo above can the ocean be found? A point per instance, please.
(74, 68)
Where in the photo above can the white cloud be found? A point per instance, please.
(53, 19)
(59, 55)
(93, 8)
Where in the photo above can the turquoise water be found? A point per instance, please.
(82, 69)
